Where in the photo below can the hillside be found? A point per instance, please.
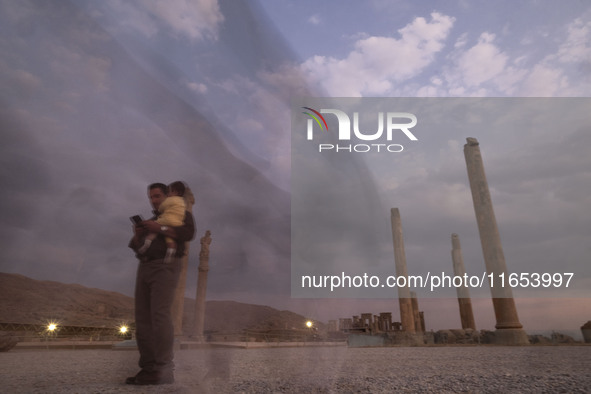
(26, 300)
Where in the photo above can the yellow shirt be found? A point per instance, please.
(172, 211)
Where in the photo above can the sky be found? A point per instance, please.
(100, 99)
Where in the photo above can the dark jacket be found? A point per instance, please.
(157, 249)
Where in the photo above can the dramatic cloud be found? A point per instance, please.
(482, 62)
(485, 69)
(377, 63)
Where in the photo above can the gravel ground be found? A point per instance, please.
(474, 369)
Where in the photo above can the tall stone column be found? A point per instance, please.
(509, 329)
(422, 317)
(179, 297)
(404, 299)
(415, 311)
(464, 301)
(199, 320)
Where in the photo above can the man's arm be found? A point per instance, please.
(139, 232)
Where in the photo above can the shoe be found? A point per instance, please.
(165, 377)
(144, 378)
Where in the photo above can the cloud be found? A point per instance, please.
(476, 70)
(489, 69)
(263, 121)
(567, 72)
(195, 20)
(21, 83)
(377, 63)
(197, 87)
(315, 19)
(544, 81)
(482, 62)
(576, 48)
(80, 68)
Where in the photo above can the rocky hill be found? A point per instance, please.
(26, 300)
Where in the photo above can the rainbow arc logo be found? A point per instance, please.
(315, 116)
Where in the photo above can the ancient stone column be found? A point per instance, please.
(509, 329)
(466, 314)
(201, 288)
(404, 300)
(179, 297)
(415, 311)
(386, 321)
(367, 321)
(422, 317)
(332, 326)
(347, 323)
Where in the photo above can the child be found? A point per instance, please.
(172, 213)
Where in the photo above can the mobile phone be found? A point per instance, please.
(136, 219)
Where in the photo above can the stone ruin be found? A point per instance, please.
(369, 324)
(368, 329)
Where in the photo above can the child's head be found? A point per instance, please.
(176, 189)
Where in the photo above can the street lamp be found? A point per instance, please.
(50, 330)
(125, 331)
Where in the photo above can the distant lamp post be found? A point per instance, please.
(50, 330)
(309, 324)
(124, 331)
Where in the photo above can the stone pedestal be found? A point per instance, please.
(494, 259)
(511, 336)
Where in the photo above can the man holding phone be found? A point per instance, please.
(155, 287)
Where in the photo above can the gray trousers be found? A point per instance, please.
(155, 288)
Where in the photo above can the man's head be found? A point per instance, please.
(177, 188)
(157, 193)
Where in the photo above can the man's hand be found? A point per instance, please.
(151, 226)
(139, 230)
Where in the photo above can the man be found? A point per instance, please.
(155, 287)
